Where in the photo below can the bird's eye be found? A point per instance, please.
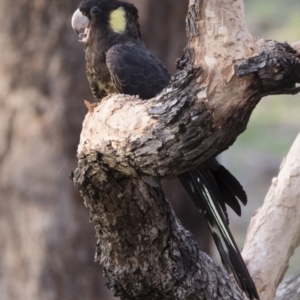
(95, 10)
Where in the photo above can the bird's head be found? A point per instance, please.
(109, 17)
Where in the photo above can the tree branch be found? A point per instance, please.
(289, 288)
(126, 142)
(274, 230)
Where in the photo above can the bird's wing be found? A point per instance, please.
(136, 71)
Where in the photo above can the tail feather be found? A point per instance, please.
(204, 188)
(228, 182)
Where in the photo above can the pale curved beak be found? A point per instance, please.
(79, 21)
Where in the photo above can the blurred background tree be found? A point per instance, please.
(47, 243)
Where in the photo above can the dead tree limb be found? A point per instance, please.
(127, 145)
(274, 231)
(289, 288)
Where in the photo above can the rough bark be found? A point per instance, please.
(145, 251)
(274, 231)
(128, 145)
(289, 288)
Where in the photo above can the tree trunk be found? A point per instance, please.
(128, 145)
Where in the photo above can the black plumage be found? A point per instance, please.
(117, 61)
(135, 70)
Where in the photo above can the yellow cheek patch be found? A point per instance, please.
(117, 20)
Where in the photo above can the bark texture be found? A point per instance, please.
(274, 231)
(289, 288)
(128, 145)
(145, 251)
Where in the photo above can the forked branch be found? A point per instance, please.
(127, 145)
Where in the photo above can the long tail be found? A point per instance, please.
(210, 188)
